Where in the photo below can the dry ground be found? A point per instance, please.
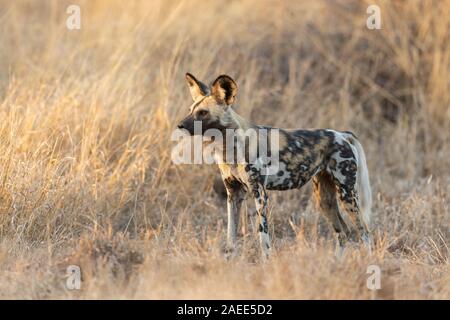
(86, 118)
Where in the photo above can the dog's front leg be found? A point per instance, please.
(260, 196)
(235, 197)
(233, 220)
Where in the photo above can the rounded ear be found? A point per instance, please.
(224, 89)
(197, 88)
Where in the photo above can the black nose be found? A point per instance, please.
(180, 126)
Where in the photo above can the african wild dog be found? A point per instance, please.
(334, 160)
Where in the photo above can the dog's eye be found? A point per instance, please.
(202, 113)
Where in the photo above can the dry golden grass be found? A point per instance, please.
(86, 118)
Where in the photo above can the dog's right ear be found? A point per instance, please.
(224, 89)
(197, 88)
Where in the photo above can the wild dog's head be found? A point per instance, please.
(212, 105)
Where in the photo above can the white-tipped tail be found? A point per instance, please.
(362, 179)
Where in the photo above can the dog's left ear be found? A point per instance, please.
(224, 90)
(197, 88)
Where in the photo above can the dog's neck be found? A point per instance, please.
(240, 126)
(235, 121)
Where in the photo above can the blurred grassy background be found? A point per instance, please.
(86, 118)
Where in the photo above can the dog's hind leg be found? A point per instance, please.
(348, 198)
(348, 202)
(325, 197)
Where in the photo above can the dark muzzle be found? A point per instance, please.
(187, 124)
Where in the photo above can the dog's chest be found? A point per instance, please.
(233, 171)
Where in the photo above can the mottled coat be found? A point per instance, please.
(333, 160)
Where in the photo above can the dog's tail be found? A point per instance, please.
(362, 179)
